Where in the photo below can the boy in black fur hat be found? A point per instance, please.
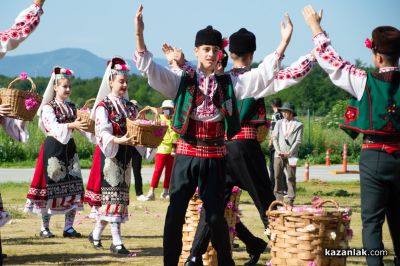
(373, 111)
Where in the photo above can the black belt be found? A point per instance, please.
(369, 139)
(204, 142)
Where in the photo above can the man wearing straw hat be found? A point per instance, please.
(286, 138)
(24, 25)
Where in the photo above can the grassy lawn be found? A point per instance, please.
(143, 232)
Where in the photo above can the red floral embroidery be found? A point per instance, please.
(351, 114)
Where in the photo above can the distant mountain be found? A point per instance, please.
(85, 64)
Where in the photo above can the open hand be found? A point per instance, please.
(313, 19)
(139, 21)
(38, 2)
(78, 124)
(168, 51)
(286, 30)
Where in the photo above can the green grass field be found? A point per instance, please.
(143, 232)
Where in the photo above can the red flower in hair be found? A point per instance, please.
(108, 62)
(220, 55)
(68, 72)
(368, 43)
(225, 42)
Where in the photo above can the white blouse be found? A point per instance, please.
(24, 25)
(104, 129)
(52, 127)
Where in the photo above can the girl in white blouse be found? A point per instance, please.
(57, 186)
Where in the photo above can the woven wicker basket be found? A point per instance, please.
(191, 222)
(300, 237)
(85, 116)
(17, 98)
(146, 135)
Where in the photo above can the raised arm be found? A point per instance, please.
(291, 75)
(24, 25)
(255, 83)
(341, 72)
(159, 78)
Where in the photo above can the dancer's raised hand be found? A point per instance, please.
(139, 21)
(286, 30)
(38, 2)
(313, 19)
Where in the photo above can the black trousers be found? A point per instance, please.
(208, 174)
(137, 168)
(380, 197)
(246, 168)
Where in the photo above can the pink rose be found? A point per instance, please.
(220, 55)
(235, 189)
(23, 75)
(159, 132)
(368, 43)
(229, 205)
(30, 103)
(225, 42)
(349, 234)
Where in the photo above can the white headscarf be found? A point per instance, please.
(105, 89)
(49, 93)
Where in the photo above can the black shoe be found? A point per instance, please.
(73, 234)
(91, 240)
(199, 262)
(255, 255)
(46, 233)
(396, 262)
(122, 250)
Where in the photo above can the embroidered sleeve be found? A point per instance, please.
(57, 130)
(254, 83)
(292, 75)
(104, 133)
(160, 78)
(342, 73)
(17, 129)
(24, 25)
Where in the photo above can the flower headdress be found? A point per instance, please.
(49, 93)
(119, 66)
(63, 73)
(115, 66)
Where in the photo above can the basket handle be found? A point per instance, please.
(275, 203)
(86, 105)
(319, 205)
(33, 85)
(141, 114)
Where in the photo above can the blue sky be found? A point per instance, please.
(106, 28)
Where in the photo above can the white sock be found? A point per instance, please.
(98, 230)
(116, 234)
